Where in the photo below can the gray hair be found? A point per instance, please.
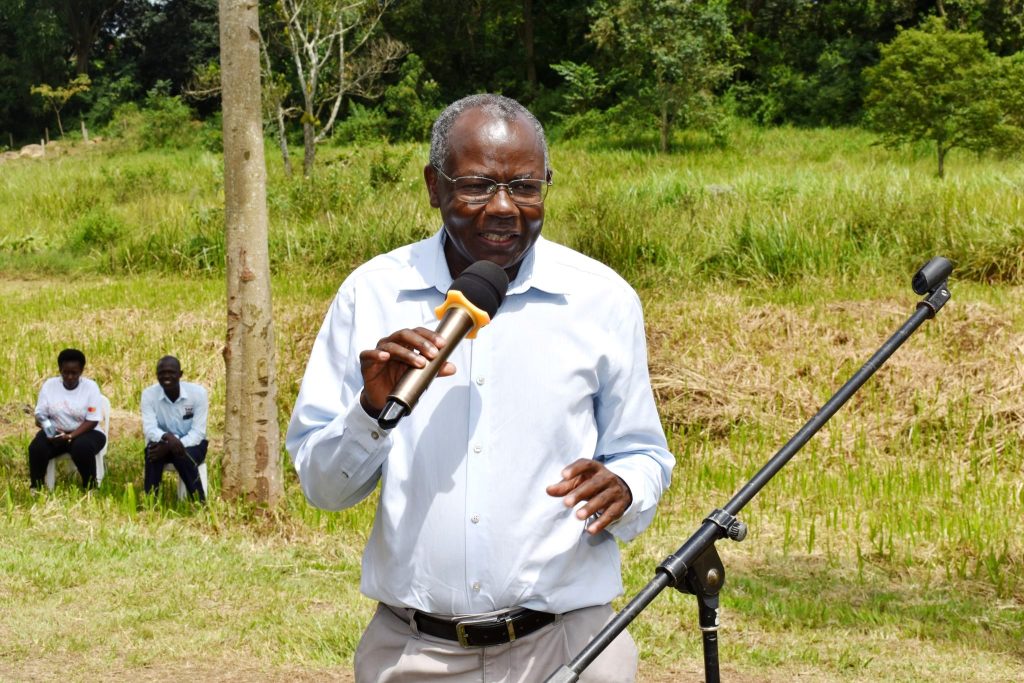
(498, 106)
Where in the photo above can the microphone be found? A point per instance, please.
(471, 302)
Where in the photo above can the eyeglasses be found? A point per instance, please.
(473, 189)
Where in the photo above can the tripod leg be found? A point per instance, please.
(707, 606)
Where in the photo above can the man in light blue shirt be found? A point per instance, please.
(493, 554)
(174, 424)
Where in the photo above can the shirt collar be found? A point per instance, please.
(182, 393)
(429, 269)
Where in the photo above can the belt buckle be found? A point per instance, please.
(460, 628)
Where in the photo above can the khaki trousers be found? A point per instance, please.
(392, 651)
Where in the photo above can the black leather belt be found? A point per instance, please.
(482, 631)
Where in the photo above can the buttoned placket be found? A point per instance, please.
(477, 456)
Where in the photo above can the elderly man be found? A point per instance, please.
(493, 553)
(174, 423)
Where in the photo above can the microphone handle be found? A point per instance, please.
(455, 325)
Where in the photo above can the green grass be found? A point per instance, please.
(774, 207)
(889, 549)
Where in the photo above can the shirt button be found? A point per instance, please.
(374, 435)
(476, 586)
(475, 519)
(480, 380)
(478, 448)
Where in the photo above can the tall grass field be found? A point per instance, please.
(891, 548)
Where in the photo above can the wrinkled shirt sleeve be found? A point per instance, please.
(150, 425)
(631, 442)
(337, 449)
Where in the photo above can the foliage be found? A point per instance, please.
(31, 51)
(59, 96)
(387, 168)
(944, 86)
(166, 41)
(362, 125)
(337, 51)
(412, 103)
(470, 46)
(798, 62)
(584, 86)
(677, 53)
(82, 20)
(163, 121)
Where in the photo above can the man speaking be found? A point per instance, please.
(493, 553)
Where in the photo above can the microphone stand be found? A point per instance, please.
(696, 567)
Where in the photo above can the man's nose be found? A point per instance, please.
(501, 201)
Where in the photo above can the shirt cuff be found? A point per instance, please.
(640, 512)
(363, 429)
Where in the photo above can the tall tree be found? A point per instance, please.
(946, 87)
(165, 40)
(502, 47)
(337, 50)
(677, 52)
(83, 19)
(31, 51)
(252, 463)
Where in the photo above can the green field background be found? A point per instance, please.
(890, 549)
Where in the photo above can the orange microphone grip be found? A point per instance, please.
(457, 299)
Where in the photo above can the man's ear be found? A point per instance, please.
(430, 176)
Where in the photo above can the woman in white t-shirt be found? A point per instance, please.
(68, 415)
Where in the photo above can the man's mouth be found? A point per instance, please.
(498, 237)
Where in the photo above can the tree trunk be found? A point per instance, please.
(666, 130)
(942, 160)
(85, 131)
(528, 45)
(82, 59)
(282, 141)
(309, 142)
(252, 462)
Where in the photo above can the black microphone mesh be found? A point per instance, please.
(484, 284)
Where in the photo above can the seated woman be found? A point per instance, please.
(68, 414)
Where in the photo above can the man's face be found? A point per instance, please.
(499, 231)
(168, 374)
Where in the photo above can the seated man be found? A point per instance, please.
(174, 423)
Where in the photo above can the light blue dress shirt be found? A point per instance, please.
(464, 524)
(185, 418)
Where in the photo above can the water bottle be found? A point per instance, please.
(48, 427)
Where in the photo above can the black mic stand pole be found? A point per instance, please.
(696, 567)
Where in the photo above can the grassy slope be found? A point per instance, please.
(889, 549)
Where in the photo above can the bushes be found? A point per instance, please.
(163, 121)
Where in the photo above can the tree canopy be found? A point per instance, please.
(650, 66)
(944, 86)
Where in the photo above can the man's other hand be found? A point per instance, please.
(604, 494)
(156, 451)
(173, 444)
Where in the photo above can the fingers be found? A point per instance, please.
(603, 493)
(412, 347)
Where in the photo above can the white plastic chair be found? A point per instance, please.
(182, 489)
(50, 479)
